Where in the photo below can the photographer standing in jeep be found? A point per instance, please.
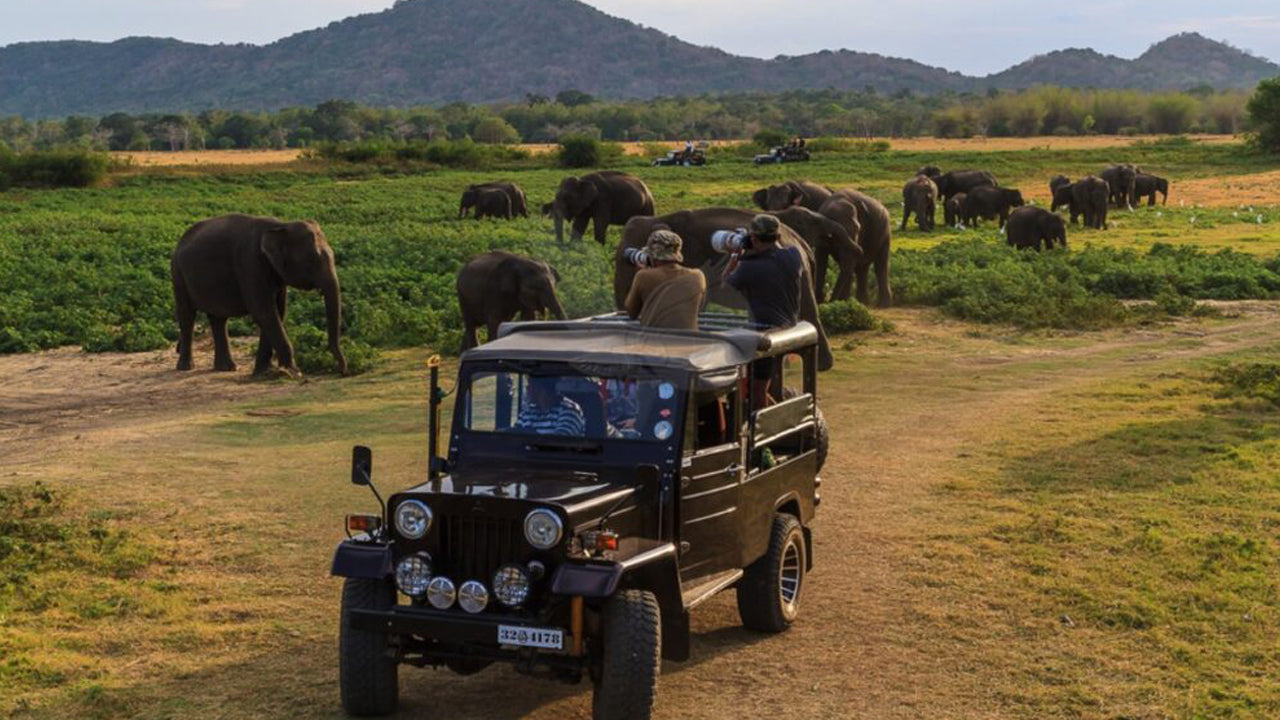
(665, 294)
(769, 277)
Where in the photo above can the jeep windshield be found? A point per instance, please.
(561, 405)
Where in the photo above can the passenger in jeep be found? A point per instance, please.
(547, 412)
(666, 294)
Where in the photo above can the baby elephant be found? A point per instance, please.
(953, 209)
(496, 286)
(991, 203)
(481, 196)
(919, 196)
(1033, 227)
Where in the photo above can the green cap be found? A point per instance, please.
(765, 227)
(664, 246)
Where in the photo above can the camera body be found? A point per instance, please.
(731, 242)
(637, 257)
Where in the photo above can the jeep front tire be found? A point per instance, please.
(631, 647)
(368, 675)
(769, 591)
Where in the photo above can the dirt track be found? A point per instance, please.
(878, 635)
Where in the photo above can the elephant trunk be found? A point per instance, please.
(552, 304)
(559, 220)
(333, 317)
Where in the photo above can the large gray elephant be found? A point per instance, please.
(919, 196)
(827, 238)
(955, 182)
(491, 202)
(470, 197)
(238, 265)
(991, 203)
(1146, 186)
(804, 193)
(1121, 179)
(495, 287)
(606, 197)
(695, 228)
(1033, 227)
(875, 235)
(1089, 197)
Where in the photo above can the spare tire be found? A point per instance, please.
(824, 436)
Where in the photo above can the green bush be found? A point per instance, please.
(847, 316)
(446, 153)
(580, 151)
(311, 352)
(769, 139)
(1254, 380)
(52, 168)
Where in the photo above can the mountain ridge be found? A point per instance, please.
(421, 52)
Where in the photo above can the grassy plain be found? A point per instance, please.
(1039, 524)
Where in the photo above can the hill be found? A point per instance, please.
(436, 51)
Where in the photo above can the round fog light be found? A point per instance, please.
(441, 593)
(511, 585)
(473, 597)
(413, 573)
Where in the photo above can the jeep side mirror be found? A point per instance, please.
(361, 465)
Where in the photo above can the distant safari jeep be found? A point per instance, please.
(602, 481)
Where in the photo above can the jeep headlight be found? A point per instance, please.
(543, 529)
(413, 519)
(413, 573)
(511, 585)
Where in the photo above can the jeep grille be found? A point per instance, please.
(473, 548)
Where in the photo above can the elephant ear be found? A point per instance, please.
(508, 277)
(274, 247)
(759, 197)
(551, 269)
(796, 196)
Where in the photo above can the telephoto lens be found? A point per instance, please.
(729, 241)
(636, 257)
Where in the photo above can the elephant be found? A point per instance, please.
(519, 204)
(953, 209)
(959, 181)
(1121, 179)
(1090, 197)
(695, 228)
(827, 238)
(606, 197)
(1061, 189)
(237, 265)
(793, 192)
(919, 195)
(1032, 227)
(875, 236)
(1146, 186)
(491, 202)
(496, 286)
(991, 203)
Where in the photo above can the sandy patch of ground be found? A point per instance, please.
(1258, 189)
(209, 157)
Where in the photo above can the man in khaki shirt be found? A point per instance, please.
(666, 294)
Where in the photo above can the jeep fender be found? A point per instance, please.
(352, 559)
(655, 569)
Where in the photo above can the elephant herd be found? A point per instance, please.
(969, 196)
(239, 265)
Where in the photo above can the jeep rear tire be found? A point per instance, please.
(368, 675)
(631, 632)
(824, 438)
(769, 591)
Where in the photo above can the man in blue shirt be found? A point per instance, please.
(769, 276)
(547, 412)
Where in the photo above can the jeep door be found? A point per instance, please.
(711, 478)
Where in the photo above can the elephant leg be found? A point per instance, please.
(860, 273)
(273, 334)
(185, 314)
(528, 314)
(469, 335)
(820, 277)
(883, 292)
(221, 345)
(580, 227)
(601, 223)
(262, 360)
(906, 215)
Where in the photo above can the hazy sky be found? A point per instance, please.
(975, 37)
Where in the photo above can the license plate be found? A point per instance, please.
(530, 637)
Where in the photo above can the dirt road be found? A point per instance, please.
(892, 626)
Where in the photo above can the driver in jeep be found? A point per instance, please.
(547, 412)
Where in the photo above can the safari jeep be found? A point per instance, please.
(601, 482)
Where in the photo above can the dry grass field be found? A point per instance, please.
(1015, 523)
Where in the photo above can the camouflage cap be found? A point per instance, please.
(664, 246)
(765, 227)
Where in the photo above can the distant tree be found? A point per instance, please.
(770, 138)
(1172, 113)
(495, 131)
(573, 98)
(1264, 116)
(534, 100)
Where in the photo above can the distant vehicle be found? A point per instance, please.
(697, 157)
(575, 546)
(783, 154)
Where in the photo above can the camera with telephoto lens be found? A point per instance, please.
(731, 241)
(637, 257)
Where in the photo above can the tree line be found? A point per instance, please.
(541, 119)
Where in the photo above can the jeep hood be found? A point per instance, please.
(577, 492)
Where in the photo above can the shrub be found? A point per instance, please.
(579, 151)
(52, 168)
(1264, 116)
(311, 352)
(770, 138)
(1255, 380)
(845, 316)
